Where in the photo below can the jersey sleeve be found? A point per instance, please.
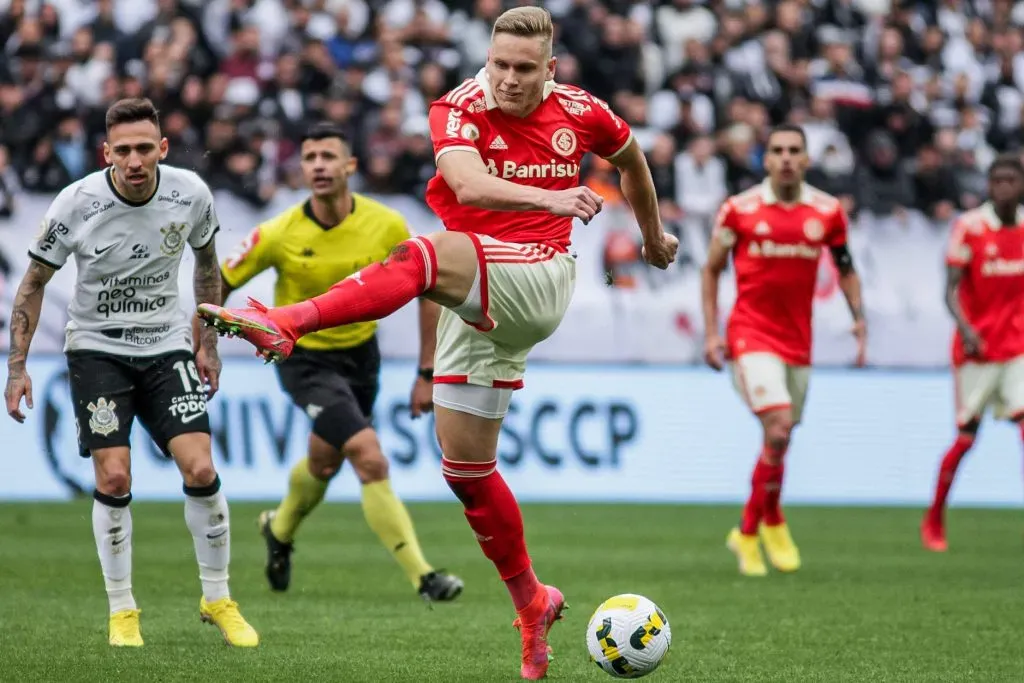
(725, 230)
(452, 128)
(54, 243)
(609, 132)
(839, 227)
(958, 250)
(207, 224)
(251, 257)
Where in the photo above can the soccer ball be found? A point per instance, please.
(628, 636)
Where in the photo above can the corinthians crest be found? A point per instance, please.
(174, 239)
(104, 420)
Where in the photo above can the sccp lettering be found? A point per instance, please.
(596, 434)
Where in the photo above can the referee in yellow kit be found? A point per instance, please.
(333, 375)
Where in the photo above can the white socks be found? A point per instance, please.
(112, 529)
(206, 516)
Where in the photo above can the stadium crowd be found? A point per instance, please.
(904, 103)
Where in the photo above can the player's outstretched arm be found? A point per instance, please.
(638, 188)
(28, 304)
(717, 259)
(464, 172)
(206, 283)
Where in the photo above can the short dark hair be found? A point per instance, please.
(1006, 160)
(789, 128)
(131, 110)
(324, 130)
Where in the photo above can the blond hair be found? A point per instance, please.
(525, 22)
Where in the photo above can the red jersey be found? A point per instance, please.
(776, 250)
(543, 150)
(992, 288)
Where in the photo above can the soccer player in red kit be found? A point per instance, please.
(775, 232)
(985, 295)
(508, 145)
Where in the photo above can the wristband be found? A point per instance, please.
(426, 373)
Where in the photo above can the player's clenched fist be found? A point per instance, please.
(661, 253)
(578, 202)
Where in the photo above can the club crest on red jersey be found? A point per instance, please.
(563, 141)
(814, 230)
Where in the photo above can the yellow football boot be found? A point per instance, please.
(124, 629)
(224, 615)
(747, 549)
(779, 547)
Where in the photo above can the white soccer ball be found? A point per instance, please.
(628, 636)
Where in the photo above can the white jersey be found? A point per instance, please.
(128, 255)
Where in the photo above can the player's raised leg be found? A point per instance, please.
(112, 529)
(209, 522)
(441, 266)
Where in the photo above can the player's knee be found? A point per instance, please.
(777, 435)
(115, 481)
(325, 461)
(456, 261)
(198, 473)
(364, 452)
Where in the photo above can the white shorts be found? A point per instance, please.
(983, 385)
(766, 382)
(519, 299)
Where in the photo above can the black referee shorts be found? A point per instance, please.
(337, 389)
(110, 391)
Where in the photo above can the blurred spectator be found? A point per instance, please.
(884, 187)
(904, 103)
(700, 182)
(934, 185)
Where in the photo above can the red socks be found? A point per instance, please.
(375, 292)
(765, 492)
(772, 508)
(493, 514)
(947, 472)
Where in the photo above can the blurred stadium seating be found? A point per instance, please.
(904, 103)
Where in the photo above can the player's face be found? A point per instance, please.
(1005, 186)
(134, 150)
(517, 68)
(326, 166)
(786, 159)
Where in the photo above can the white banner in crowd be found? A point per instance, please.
(575, 433)
(656, 320)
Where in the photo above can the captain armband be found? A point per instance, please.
(843, 259)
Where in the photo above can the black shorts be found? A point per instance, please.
(109, 391)
(341, 386)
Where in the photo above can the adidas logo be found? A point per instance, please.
(498, 143)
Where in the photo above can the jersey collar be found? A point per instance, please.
(768, 194)
(988, 214)
(481, 79)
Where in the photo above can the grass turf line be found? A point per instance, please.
(869, 604)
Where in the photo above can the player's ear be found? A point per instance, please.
(552, 65)
(164, 146)
(351, 165)
(106, 153)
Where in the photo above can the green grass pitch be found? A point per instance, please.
(869, 605)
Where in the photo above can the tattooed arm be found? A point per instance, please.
(28, 303)
(207, 287)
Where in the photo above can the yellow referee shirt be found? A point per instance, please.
(310, 257)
